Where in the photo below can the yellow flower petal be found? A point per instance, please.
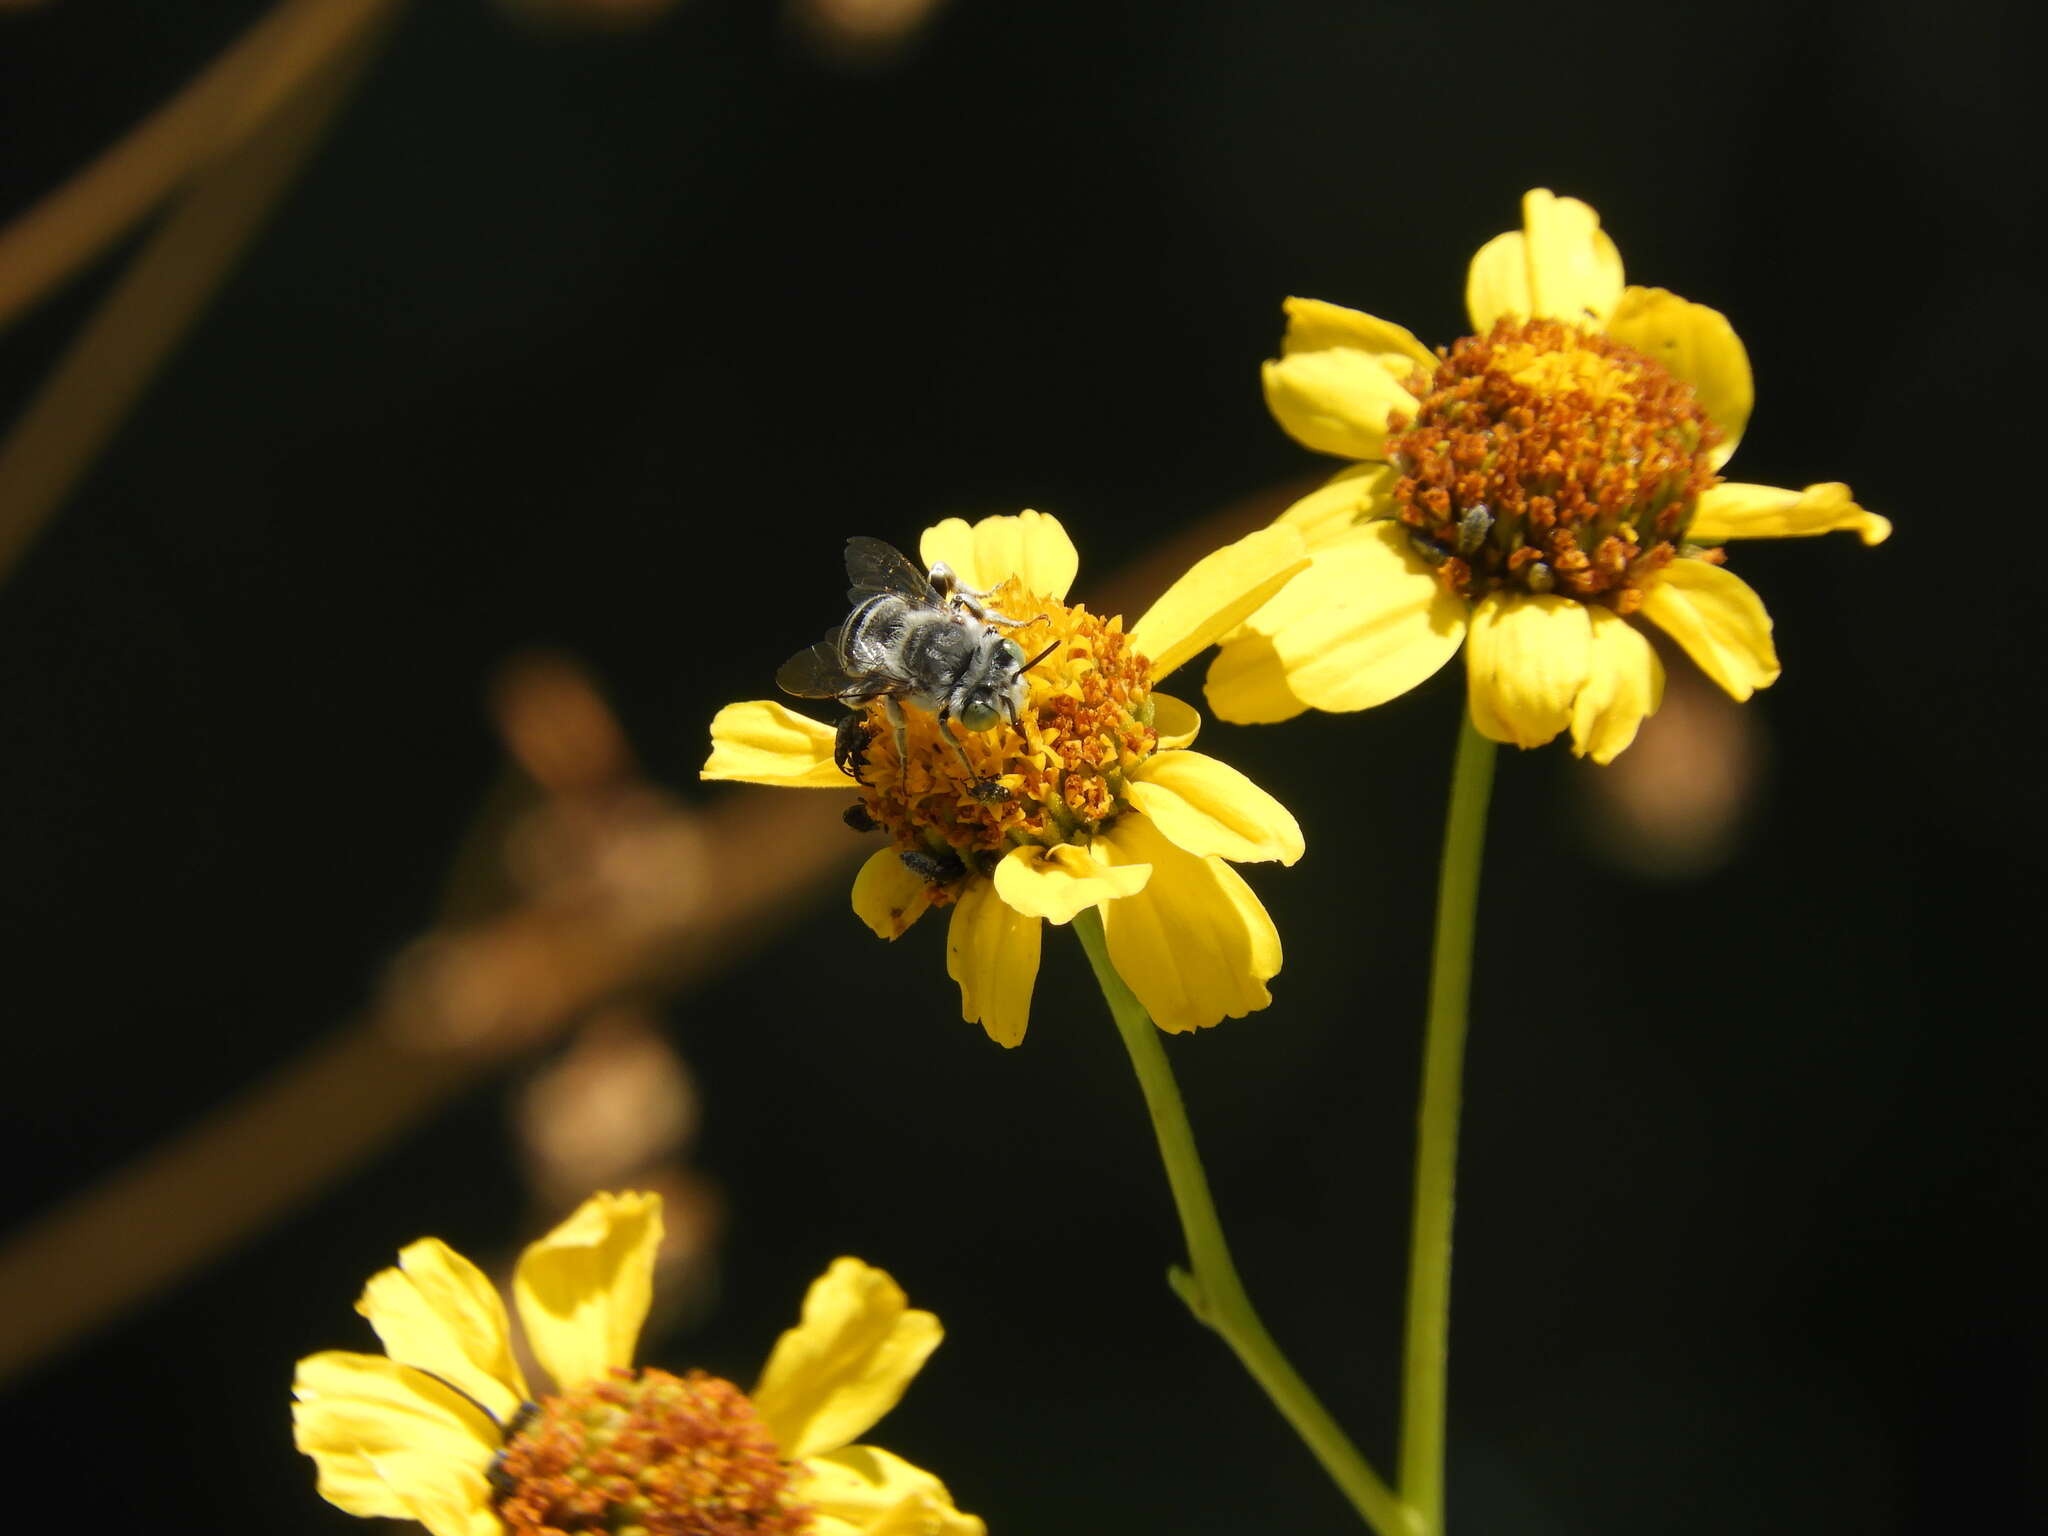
(1336, 401)
(440, 1313)
(1624, 685)
(922, 1515)
(1209, 808)
(1218, 593)
(1339, 372)
(878, 1494)
(1315, 326)
(887, 896)
(1719, 621)
(1559, 265)
(1031, 546)
(1363, 624)
(1248, 682)
(846, 1363)
(583, 1290)
(1175, 723)
(1497, 283)
(1733, 511)
(1194, 945)
(992, 952)
(760, 742)
(1055, 883)
(1699, 346)
(1525, 662)
(1357, 493)
(390, 1441)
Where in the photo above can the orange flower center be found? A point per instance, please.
(645, 1453)
(1545, 458)
(954, 811)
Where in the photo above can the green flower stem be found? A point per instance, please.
(1210, 1285)
(1426, 1358)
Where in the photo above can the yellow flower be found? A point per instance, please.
(1100, 803)
(441, 1429)
(1535, 491)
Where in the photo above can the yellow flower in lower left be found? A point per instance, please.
(442, 1428)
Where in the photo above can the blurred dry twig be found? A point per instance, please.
(219, 109)
(619, 909)
(240, 133)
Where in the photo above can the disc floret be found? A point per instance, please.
(645, 1452)
(1544, 457)
(1058, 774)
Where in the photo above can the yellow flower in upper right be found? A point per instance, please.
(1533, 492)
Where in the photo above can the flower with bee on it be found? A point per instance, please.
(442, 1429)
(1533, 493)
(1082, 792)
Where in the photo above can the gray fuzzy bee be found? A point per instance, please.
(917, 637)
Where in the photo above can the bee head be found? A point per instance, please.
(1001, 691)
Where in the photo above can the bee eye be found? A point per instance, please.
(980, 715)
(1014, 652)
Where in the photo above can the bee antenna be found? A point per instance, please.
(1034, 661)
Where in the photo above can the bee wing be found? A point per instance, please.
(873, 566)
(815, 673)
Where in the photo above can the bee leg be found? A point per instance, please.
(992, 617)
(985, 790)
(895, 713)
(953, 592)
(959, 749)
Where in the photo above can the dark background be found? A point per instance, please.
(605, 343)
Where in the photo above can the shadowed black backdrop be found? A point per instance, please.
(605, 343)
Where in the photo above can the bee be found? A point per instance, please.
(940, 869)
(1473, 528)
(503, 1483)
(915, 637)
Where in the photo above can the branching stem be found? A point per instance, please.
(1210, 1285)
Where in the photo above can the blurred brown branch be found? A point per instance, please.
(613, 904)
(156, 301)
(617, 895)
(219, 109)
